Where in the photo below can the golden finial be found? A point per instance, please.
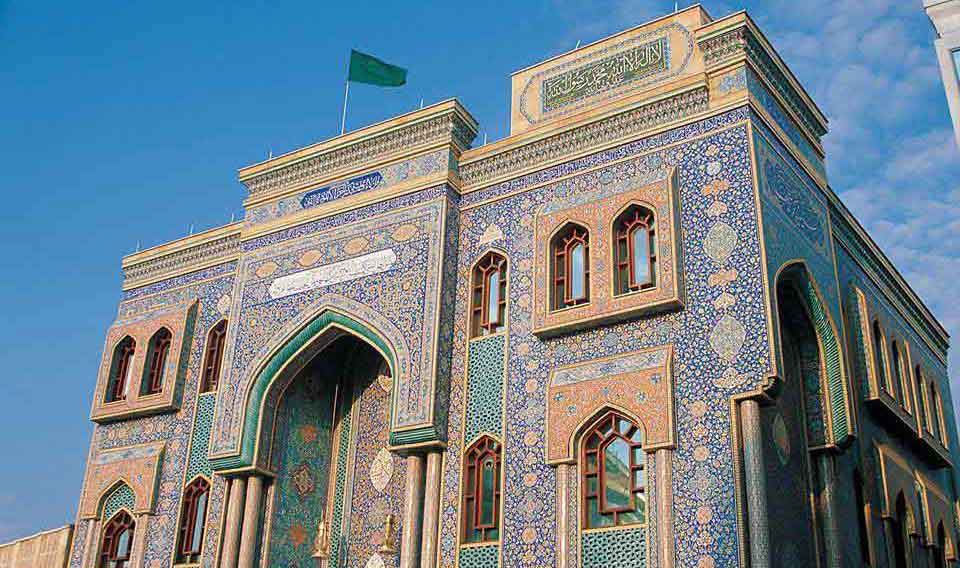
(389, 535)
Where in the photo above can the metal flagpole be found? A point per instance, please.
(343, 118)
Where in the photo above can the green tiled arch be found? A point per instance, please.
(265, 378)
(841, 427)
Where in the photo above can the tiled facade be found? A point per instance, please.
(351, 385)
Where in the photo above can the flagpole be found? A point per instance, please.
(343, 119)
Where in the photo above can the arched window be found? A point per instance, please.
(157, 351)
(936, 409)
(489, 301)
(922, 408)
(213, 358)
(120, 369)
(880, 360)
(635, 250)
(570, 267)
(614, 480)
(117, 541)
(899, 527)
(940, 548)
(192, 521)
(481, 491)
(900, 376)
(863, 518)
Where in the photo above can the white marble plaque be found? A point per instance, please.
(335, 273)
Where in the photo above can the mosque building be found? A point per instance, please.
(640, 331)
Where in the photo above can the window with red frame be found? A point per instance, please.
(570, 267)
(635, 250)
(213, 358)
(489, 300)
(117, 541)
(614, 480)
(120, 369)
(192, 521)
(481, 497)
(158, 350)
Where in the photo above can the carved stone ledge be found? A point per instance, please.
(585, 137)
(187, 259)
(449, 127)
(743, 41)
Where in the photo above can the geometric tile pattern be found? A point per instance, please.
(485, 388)
(620, 548)
(480, 556)
(198, 463)
(120, 498)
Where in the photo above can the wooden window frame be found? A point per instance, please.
(475, 531)
(115, 527)
(561, 284)
(923, 407)
(897, 364)
(939, 424)
(599, 471)
(878, 340)
(159, 352)
(121, 368)
(634, 218)
(481, 325)
(189, 552)
(213, 357)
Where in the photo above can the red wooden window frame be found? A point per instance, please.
(562, 269)
(492, 263)
(122, 362)
(189, 551)
(594, 444)
(213, 358)
(635, 218)
(474, 529)
(157, 360)
(110, 556)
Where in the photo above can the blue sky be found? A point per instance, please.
(127, 123)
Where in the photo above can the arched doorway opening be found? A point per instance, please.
(794, 424)
(898, 529)
(328, 439)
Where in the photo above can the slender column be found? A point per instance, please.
(251, 522)
(563, 515)
(139, 540)
(756, 484)
(231, 536)
(92, 542)
(412, 512)
(831, 531)
(431, 511)
(665, 507)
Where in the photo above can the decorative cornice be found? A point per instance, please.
(594, 134)
(365, 147)
(744, 40)
(851, 235)
(179, 257)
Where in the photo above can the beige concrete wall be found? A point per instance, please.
(49, 549)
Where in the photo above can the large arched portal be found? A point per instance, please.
(798, 426)
(327, 446)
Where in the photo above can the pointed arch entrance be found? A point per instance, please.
(810, 406)
(321, 480)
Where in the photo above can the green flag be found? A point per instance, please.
(370, 70)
